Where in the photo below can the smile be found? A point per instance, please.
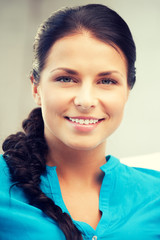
(84, 124)
(84, 121)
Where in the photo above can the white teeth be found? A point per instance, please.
(83, 121)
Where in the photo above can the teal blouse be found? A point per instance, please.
(129, 201)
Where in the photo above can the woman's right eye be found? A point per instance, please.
(64, 79)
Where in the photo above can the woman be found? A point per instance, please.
(57, 182)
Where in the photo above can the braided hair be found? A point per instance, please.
(25, 155)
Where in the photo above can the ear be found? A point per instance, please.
(35, 91)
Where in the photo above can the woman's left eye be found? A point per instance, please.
(107, 81)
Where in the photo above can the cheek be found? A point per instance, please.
(54, 103)
(114, 104)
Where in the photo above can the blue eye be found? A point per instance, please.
(108, 81)
(64, 79)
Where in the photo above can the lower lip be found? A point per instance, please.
(84, 127)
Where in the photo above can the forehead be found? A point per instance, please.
(84, 49)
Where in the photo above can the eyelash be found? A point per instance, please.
(61, 79)
(109, 81)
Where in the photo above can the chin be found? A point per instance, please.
(85, 146)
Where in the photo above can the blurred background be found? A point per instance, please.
(139, 132)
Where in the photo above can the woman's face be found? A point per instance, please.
(82, 92)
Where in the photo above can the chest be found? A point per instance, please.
(127, 214)
(83, 207)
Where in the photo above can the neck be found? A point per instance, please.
(81, 165)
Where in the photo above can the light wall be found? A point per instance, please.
(139, 132)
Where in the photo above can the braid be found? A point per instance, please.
(25, 154)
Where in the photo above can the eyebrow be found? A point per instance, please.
(74, 72)
(68, 70)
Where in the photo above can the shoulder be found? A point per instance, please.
(142, 181)
(17, 215)
(133, 187)
(7, 191)
(135, 180)
(5, 180)
(4, 172)
(133, 171)
(144, 174)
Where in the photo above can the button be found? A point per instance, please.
(94, 238)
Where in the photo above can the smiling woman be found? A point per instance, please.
(82, 87)
(57, 181)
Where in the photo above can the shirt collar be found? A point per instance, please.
(111, 162)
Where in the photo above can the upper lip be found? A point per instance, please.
(84, 117)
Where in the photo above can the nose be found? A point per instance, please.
(85, 99)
